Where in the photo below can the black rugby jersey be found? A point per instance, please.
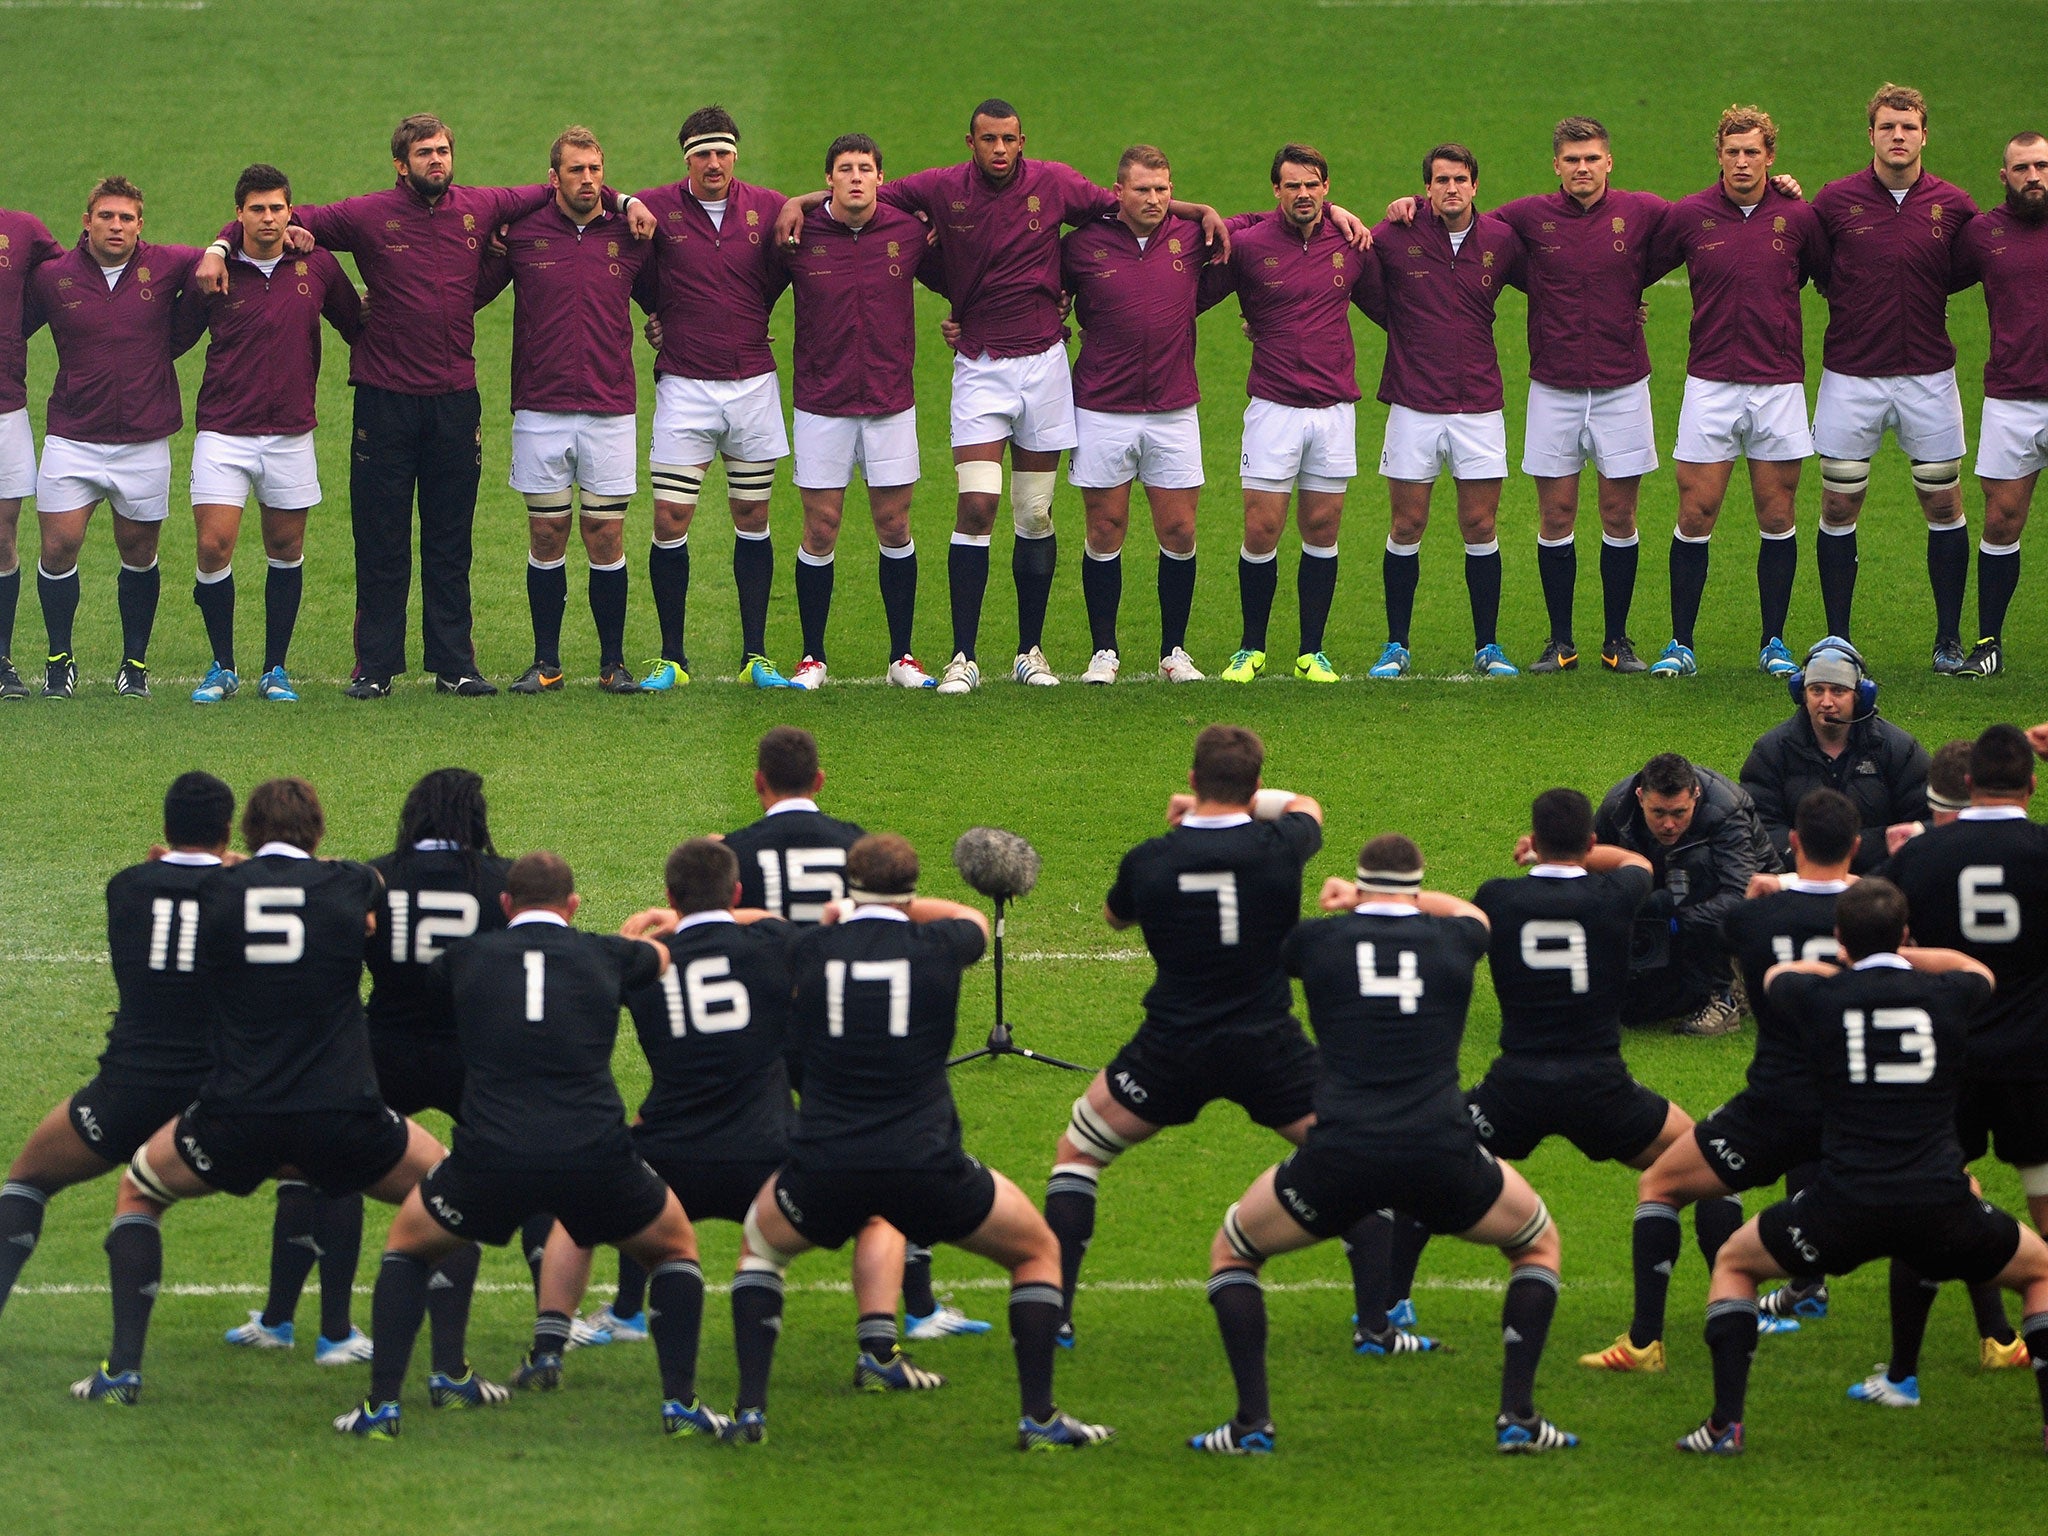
(160, 1027)
(1387, 996)
(433, 897)
(1214, 902)
(713, 1030)
(1559, 954)
(537, 1014)
(1798, 923)
(793, 861)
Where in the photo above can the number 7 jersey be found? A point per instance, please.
(1559, 954)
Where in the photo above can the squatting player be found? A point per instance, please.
(25, 243)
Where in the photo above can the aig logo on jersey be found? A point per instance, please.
(88, 1126)
(1131, 1087)
(448, 1214)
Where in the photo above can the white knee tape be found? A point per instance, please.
(765, 1254)
(749, 482)
(1846, 477)
(2034, 1181)
(1937, 475)
(1031, 501)
(547, 503)
(679, 483)
(146, 1180)
(980, 477)
(1529, 1231)
(1093, 1135)
(754, 1264)
(1233, 1234)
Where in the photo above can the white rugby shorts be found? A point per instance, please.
(1721, 422)
(1610, 428)
(1924, 410)
(17, 457)
(830, 448)
(1027, 400)
(1288, 447)
(552, 450)
(1157, 448)
(1419, 444)
(132, 478)
(2012, 442)
(280, 470)
(698, 420)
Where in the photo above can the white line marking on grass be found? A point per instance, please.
(1436, 5)
(1113, 956)
(102, 5)
(58, 956)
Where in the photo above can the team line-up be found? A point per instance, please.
(708, 257)
(795, 953)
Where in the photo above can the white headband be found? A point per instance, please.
(715, 142)
(861, 898)
(1391, 882)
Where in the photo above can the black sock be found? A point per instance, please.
(10, 601)
(136, 593)
(1070, 1212)
(59, 598)
(283, 586)
(1482, 589)
(675, 1295)
(1032, 564)
(1034, 1323)
(1400, 574)
(449, 1290)
(632, 1298)
(550, 1332)
(397, 1307)
(547, 599)
(898, 577)
(1257, 581)
(135, 1268)
(1618, 582)
(1777, 564)
(608, 612)
(21, 1224)
(216, 601)
(293, 1250)
(533, 1242)
(918, 1300)
(967, 584)
(1176, 599)
(1948, 572)
(756, 1325)
(1102, 591)
(1713, 1223)
(1557, 567)
(668, 577)
(338, 1233)
(1240, 1303)
(1731, 1340)
(1654, 1245)
(753, 574)
(1368, 1247)
(875, 1332)
(1998, 577)
(1315, 588)
(1835, 552)
(1688, 585)
(1410, 1238)
(1524, 1328)
(813, 599)
(1987, 1301)
(1912, 1298)
(2035, 1331)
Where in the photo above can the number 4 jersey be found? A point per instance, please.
(1559, 954)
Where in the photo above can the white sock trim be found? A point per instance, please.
(1687, 538)
(56, 575)
(1490, 547)
(1628, 543)
(546, 565)
(672, 543)
(754, 538)
(1405, 551)
(617, 565)
(805, 557)
(1949, 527)
(1251, 559)
(1319, 551)
(1986, 547)
(1091, 552)
(900, 552)
(286, 565)
(1838, 530)
(1789, 533)
(137, 569)
(208, 578)
(1174, 554)
(1543, 543)
(971, 540)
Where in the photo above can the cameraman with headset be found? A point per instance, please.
(1835, 740)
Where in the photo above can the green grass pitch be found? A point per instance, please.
(181, 96)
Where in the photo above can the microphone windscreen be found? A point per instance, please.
(995, 862)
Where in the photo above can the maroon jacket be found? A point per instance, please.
(1587, 271)
(115, 382)
(1746, 274)
(856, 311)
(572, 312)
(1438, 311)
(2010, 258)
(999, 247)
(1888, 276)
(24, 245)
(713, 285)
(420, 261)
(263, 363)
(1137, 311)
(1296, 295)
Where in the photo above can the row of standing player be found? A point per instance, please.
(1127, 410)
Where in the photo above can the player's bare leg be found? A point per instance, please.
(55, 1156)
(2006, 503)
(1255, 1229)
(1098, 1131)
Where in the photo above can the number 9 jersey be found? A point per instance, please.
(1559, 954)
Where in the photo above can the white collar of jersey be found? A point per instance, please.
(697, 918)
(1814, 887)
(1560, 871)
(1214, 823)
(1884, 962)
(793, 803)
(437, 845)
(282, 851)
(877, 909)
(1386, 909)
(1993, 813)
(178, 856)
(539, 915)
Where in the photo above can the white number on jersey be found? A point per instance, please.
(1404, 984)
(164, 915)
(812, 872)
(1557, 944)
(536, 985)
(1916, 1040)
(895, 972)
(1990, 915)
(266, 910)
(1823, 947)
(1224, 887)
(444, 916)
(706, 997)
